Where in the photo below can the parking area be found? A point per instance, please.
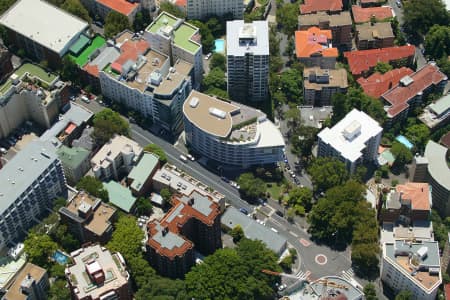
(17, 140)
(314, 116)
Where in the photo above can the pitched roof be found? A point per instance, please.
(399, 96)
(312, 6)
(361, 15)
(314, 41)
(119, 195)
(417, 192)
(363, 60)
(130, 50)
(377, 84)
(122, 6)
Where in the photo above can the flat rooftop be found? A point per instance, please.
(341, 19)
(436, 112)
(43, 23)
(82, 58)
(369, 32)
(114, 269)
(15, 290)
(142, 171)
(9, 267)
(183, 32)
(119, 195)
(349, 135)
(245, 38)
(335, 78)
(362, 15)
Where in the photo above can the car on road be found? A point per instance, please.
(399, 3)
(208, 56)
(282, 287)
(85, 99)
(190, 157)
(3, 151)
(183, 158)
(262, 201)
(279, 213)
(243, 210)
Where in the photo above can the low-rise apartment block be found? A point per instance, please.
(28, 185)
(177, 181)
(200, 9)
(314, 6)
(98, 274)
(362, 62)
(140, 178)
(120, 196)
(412, 90)
(230, 133)
(30, 94)
(102, 8)
(75, 162)
(35, 26)
(437, 114)
(363, 15)
(118, 155)
(340, 25)
(371, 3)
(353, 140)
(412, 266)
(192, 222)
(313, 48)
(30, 284)
(374, 35)
(88, 218)
(320, 85)
(377, 84)
(179, 40)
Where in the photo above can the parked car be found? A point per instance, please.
(399, 3)
(3, 151)
(243, 210)
(208, 56)
(190, 157)
(279, 213)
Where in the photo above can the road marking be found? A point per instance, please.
(294, 234)
(305, 242)
(321, 259)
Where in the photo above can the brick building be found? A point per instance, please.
(374, 35)
(320, 85)
(313, 48)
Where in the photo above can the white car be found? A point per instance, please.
(282, 287)
(3, 151)
(190, 157)
(208, 56)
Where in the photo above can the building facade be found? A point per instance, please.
(230, 133)
(6, 66)
(140, 178)
(353, 140)
(320, 85)
(374, 35)
(199, 9)
(248, 61)
(437, 114)
(28, 185)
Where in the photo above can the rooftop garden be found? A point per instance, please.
(83, 57)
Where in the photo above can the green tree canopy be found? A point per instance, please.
(251, 187)
(327, 172)
(107, 123)
(5, 4)
(214, 79)
(419, 16)
(143, 206)
(115, 23)
(166, 195)
(153, 148)
(76, 8)
(303, 139)
(59, 291)
(206, 34)
(369, 292)
(172, 9)
(291, 85)
(141, 20)
(70, 70)
(404, 295)
(39, 248)
(382, 67)
(287, 17)
(402, 155)
(437, 42)
(418, 134)
(237, 233)
(218, 61)
(234, 273)
(94, 187)
(126, 237)
(300, 196)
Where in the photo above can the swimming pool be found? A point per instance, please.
(404, 141)
(219, 46)
(60, 257)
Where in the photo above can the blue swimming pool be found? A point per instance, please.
(219, 46)
(404, 141)
(60, 257)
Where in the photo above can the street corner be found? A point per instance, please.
(321, 259)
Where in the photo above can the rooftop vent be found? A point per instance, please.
(217, 112)
(407, 80)
(352, 130)
(194, 102)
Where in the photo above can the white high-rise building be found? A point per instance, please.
(248, 61)
(353, 140)
(199, 9)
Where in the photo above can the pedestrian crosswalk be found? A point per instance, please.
(303, 275)
(348, 274)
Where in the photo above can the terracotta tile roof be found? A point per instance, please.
(447, 291)
(417, 192)
(363, 60)
(377, 84)
(445, 141)
(91, 69)
(312, 41)
(181, 3)
(130, 51)
(399, 96)
(371, 1)
(313, 6)
(361, 15)
(122, 6)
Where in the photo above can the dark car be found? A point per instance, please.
(279, 213)
(225, 179)
(243, 210)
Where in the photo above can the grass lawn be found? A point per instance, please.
(274, 190)
(83, 58)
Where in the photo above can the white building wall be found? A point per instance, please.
(199, 9)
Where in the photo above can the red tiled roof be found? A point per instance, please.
(181, 3)
(130, 50)
(91, 69)
(447, 291)
(312, 41)
(313, 6)
(361, 15)
(363, 60)
(71, 127)
(418, 193)
(370, 1)
(399, 96)
(122, 6)
(377, 84)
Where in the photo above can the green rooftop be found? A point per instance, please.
(79, 45)
(143, 170)
(120, 196)
(72, 157)
(182, 34)
(82, 58)
(33, 70)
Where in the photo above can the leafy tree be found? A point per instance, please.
(300, 196)
(444, 65)
(65, 239)
(76, 8)
(237, 233)
(59, 291)
(287, 18)
(106, 124)
(293, 117)
(115, 23)
(327, 172)
(94, 187)
(419, 135)
(141, 20)
(437, 42)
(404, 295)
(143, 206)
(420, 16)
(58, 203)
(214, 79)
(70, 70)
(369, 292)
(251, 187)
(166, 195)
(5, 4)
(365, 258)
(402, 155)
(291, 85)
(218, 61)
(126, 237)
(303, 139)
(172, 9)
(382, 67)
(160, 288)
(39, 249)
(153, 148)
(286, 262)
(206, 35)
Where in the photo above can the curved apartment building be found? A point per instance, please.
(230, 133)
